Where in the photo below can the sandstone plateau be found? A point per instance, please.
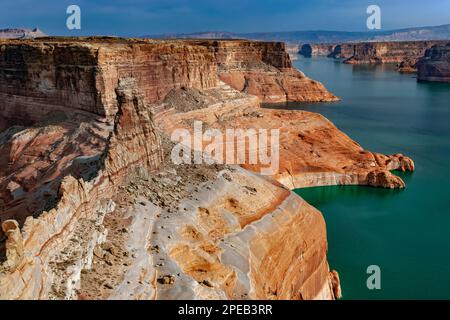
(92, 207)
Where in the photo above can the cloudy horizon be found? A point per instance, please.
(139, 17)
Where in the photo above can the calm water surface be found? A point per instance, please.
(406, 233)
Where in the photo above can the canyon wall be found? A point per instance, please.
(264, 69)
(43, 76)
(343, 51)
(404, 54)
(435, 65)
(64, 237)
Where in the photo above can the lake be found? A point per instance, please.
(404, 232)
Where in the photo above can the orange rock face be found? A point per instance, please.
(265, 70)
(262, 243)
(312, 151)
(71, 74)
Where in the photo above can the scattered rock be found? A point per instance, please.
(207, 283)
(98, 252)
(108, 286)
(168, 279)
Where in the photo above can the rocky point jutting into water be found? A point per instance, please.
(342, 51)
(435, 65)
(317, 49)
(92, 207)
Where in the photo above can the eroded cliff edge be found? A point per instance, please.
(435, 65)
(91, 208)
(405, 54)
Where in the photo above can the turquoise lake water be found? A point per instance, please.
(406, 233)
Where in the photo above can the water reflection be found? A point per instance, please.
(319, 196)
(373, 68)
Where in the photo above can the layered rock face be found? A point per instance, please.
(44, 76)
(40, 77)
(343, 51)
(85, 173)
(292, 49)
(247, 238)
(264, 69)
(317, 49)
(404, 54)
(435, 65)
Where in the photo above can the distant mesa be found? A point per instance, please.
(441, 32)
(21, 33)
(198, 35)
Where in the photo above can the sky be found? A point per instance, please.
(146, 17)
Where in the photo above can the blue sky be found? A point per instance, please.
(139, 17)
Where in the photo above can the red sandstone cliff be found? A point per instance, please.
(84, 182)
(264, 69)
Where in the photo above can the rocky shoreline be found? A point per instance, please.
(93, 208)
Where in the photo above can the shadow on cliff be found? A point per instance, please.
(35, 158)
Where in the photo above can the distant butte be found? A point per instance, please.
(12, 33)
(435, 65)
(92, 207)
